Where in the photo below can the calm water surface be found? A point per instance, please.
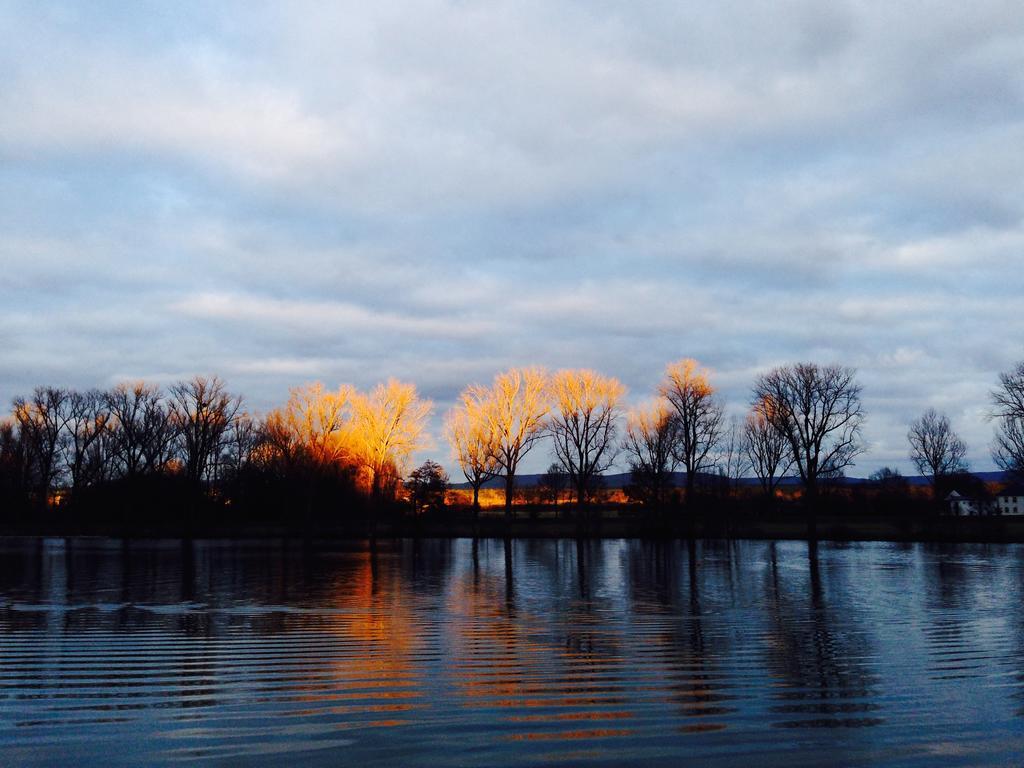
(445, 653)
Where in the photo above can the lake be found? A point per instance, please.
(528, 652)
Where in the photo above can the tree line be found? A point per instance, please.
(140, 446)
(804, 419)
(195, 439)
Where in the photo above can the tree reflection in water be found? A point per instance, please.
(508, 651)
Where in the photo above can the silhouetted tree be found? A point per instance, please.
(891, 492)
(597, 490)
(733, 460)
(141, 434)
(427, 486)
(201, 411)
(241, 442)
(86, 451)
(935, 448)
(818, 410)
(767, 449)
(15, 474)
(1008, 409)
(650, 440)
(889, 480)
(41, 421)
(552, 483)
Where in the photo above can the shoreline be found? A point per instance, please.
(827, 528)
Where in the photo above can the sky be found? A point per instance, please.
(437, 191)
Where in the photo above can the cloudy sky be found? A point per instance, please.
(436, 191)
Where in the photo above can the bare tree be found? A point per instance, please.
(160, 432)
(41, 421)
(552, 483)
(428, 486)
(1008, 409)
(15, 473)
(650, 441)
(241, 442)
(698, 415)
(734, 460)
(935, 448)
(584, 425)
(87, 417)
(140, 432)
(767, 449)
(280, 441)
(388, 426)
(514, 406)
(201, 410)
(818, 410)
(316, 423)
(1008, 446)
(474, 444)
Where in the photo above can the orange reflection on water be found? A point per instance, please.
(379, 625)
(593, 733)
(572, 716)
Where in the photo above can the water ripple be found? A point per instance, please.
(511, 653)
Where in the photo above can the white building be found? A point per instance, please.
(1010, 500)
(961, 506)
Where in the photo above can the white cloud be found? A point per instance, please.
(437, 190)
(318, 318)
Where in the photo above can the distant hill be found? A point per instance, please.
(622, 479)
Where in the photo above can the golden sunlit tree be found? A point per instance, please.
(650, 443)
(315, 422)
(471, 436)
(388, 425)
(584, 423)
(514, 407)
(698, 415)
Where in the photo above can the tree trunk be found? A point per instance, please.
(375, 486)
(509, 489)
(510, 595)
(688, 509)
(581, 502)
(811, 508)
